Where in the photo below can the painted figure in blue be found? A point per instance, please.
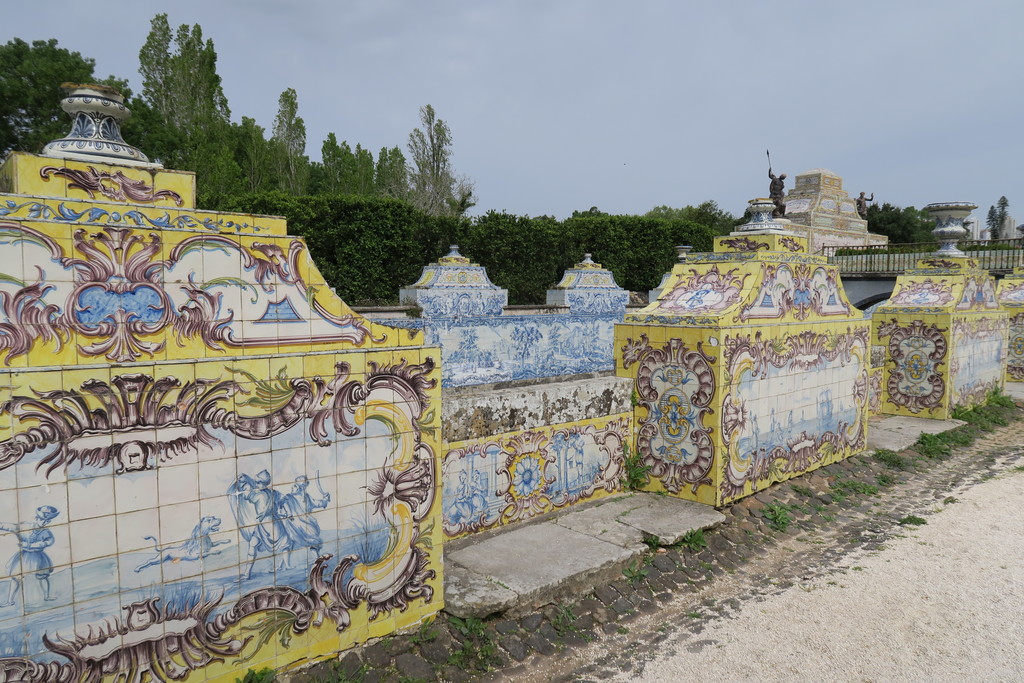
(697, 297)
(255, 506)
(478, 501)
(461, 508)
(470, 500)
(296, 511)
(33, 540)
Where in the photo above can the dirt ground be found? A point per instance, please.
(863, 600)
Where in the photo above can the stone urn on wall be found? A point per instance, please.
(949, 225)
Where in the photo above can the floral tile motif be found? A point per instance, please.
(979, 294)
(513, 477)
(875, 392)
(105, 293)
(676, 385)
(802, 290)
(1015, 348)
(917, 380)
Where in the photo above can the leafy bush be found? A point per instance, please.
(369, 247)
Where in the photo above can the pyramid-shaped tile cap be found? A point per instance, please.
(95, 136)
(589, 288)
(454, 287)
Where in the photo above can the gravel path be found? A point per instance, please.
(944, 602)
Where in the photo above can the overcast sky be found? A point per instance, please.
(557, 105)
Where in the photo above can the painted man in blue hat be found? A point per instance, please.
(33, 540)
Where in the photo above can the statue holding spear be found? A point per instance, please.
(777, 189)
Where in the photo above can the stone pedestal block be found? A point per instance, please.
(944, 335)
(751, 367)
(1011, 298)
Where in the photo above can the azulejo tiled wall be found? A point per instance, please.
(463, 313)
(528, 427)
(513, 453)
(207, 461)
(1011, 298)
(944, 333)
(752, 367)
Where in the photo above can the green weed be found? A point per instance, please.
(261, 676)
(478, 651)
(635, 573)
(848, 487)
(777, 516)
(694, 540)
(804, 491)
(565, 621)
(892, 460)
(636, 469)
(470, 627)
(885, 480)
(932, 446)
(912, 520)
(425, 634)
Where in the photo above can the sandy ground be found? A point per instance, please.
(943, 603)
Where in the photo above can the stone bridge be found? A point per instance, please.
(869, 273)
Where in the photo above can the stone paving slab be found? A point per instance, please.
(896, 432)
(468, 594)
(628, 519)
(538, 562)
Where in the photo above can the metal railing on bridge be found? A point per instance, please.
(997, 256)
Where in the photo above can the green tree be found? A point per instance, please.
(361, 182)
(992, 223)
(706, 213)
(391, 175)
(901, 225)
(289, 144)
(182, 94)
(998, 217)
(254, 155)
(434, 186)
(30, 79)
(331, 168)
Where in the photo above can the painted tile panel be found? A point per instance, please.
(512, 477)
(202, 455)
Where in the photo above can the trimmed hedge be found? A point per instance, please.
(368, 247)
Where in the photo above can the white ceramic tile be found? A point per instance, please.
(351, 454)
(287, 465)
(134, 527)
(93, 538)
(178, 483)
(92, 497)
(215, 477)
(136, 491)
(177, 522)
(9, 507)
